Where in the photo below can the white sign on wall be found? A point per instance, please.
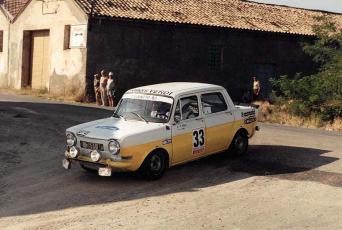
(78, 36)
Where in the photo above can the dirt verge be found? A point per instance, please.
(270, 113)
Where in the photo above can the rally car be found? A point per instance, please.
(158, 126)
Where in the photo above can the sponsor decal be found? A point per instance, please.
(151, 91)
(250, 120)
(149, 97)
(249, 117)
(198, 141)
(247, 114)
(107, 127)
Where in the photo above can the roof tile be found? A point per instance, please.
(13, 6)
(237, 14)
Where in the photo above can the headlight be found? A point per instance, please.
(114, 147)
(95, 156)
(73, 152)
(71, 139)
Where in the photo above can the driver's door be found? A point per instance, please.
(188, 131)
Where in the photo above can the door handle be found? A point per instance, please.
(199, 119)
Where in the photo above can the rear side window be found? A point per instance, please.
(213, 103)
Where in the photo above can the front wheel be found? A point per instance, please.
(239, 144)
(154, 166)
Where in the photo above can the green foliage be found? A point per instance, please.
(320, 93)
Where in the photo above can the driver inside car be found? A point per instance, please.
(160, 110)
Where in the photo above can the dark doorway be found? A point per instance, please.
(26, 60)
(264, 72)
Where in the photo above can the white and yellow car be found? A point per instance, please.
(158, 126)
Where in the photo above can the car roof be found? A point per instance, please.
(174, 88)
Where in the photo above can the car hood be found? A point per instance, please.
(112, 128)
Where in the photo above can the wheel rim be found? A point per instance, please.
(155, 163)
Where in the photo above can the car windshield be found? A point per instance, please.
(149, 108)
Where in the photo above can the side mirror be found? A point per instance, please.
(177, 118)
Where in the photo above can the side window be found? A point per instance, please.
(213, 103)
(189, 107)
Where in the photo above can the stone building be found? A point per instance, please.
(4, 37)
(57, 45)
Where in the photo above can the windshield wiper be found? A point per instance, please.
(139, 116)
(116, 115)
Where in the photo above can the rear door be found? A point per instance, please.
(219, 121)
(188, 132)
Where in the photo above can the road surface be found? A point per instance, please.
(290, 178)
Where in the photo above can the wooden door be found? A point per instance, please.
(40, 60)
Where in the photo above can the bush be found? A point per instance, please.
(320, 93)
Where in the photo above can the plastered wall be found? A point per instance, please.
(67, 67)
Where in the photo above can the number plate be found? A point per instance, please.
(92, 146)
(105, 171)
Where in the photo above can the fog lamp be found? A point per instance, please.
(73, 152)
(95, 156)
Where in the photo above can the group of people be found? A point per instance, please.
(105, 87)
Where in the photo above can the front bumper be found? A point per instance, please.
(123, 165)
(107, 161)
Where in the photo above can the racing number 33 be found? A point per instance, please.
(198, 140)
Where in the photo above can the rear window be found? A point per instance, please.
(213, 103)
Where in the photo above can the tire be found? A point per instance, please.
(239, 145)
(154, 166)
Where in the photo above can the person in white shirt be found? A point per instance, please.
(111, 89)
(103, 88)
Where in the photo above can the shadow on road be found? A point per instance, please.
(36, 181)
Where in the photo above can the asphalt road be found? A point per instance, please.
(290, 178)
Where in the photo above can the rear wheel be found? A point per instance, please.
(154, 166)
(239, 144)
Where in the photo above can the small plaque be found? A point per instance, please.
(78, 36)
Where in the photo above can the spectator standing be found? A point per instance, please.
(97, 90)
(116, 82)
(256, 88)
(111, 89)
(103, 88)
